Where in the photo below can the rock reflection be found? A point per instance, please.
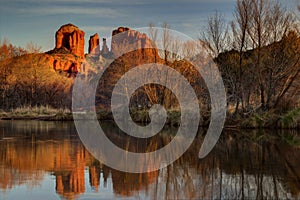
(237, 168)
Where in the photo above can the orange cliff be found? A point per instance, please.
(71, 38)
(94, 47)
(67, 161)
(67, 57)
(140, 47)
(68, 54)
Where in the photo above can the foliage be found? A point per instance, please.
(28, 81)
(269, 119)
(7, 50)
(260, 120)
(291, 138)
(291, 119)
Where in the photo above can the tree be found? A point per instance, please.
(269, 23)
(33, 48)
(153, 33)
(240, 43)
(7, 50)
(166, 41)
(282, 68)
(216, 34)
(260, 63)
(280, 22)
(259, 34)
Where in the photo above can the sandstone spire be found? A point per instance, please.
(105, 49)
(94, 48)
(71, 38)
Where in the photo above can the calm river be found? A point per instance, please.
(46, 160)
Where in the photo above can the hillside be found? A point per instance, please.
(255, 80)
(265, 78)
(31, 80)
(47, 78)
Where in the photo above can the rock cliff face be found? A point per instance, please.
(94, 48)
(68, 54)
(129, 49)
(125, 39)
(71, 38)
(105, 49)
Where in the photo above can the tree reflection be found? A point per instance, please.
(237, 168)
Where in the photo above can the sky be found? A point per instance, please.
(23, 21)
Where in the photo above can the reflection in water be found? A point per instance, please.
(33, 151)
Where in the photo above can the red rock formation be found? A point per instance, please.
(71, 181)
(94, 48)
(105, 49)
(94, 173)
(126, 40)
(66, 64)
(71, 38)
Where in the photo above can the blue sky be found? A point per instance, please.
(22, 21)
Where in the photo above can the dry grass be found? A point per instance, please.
(37, 112)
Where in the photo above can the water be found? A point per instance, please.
(46, 160)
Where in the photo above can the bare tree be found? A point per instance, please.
(259, 33)
(190, 48)
(258, 30)
(33, 48)
(216, 34)
(153, 34)
(280, 22)
(166, 41)
(239, 29)
(269, 23)
(241, 24)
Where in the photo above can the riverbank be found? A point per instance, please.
(256, 124)
(51, 114)
(37, 113)
(272, 120)
(265, 120)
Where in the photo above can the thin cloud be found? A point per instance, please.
(98, 28)
(82, 2)
(58, 10)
